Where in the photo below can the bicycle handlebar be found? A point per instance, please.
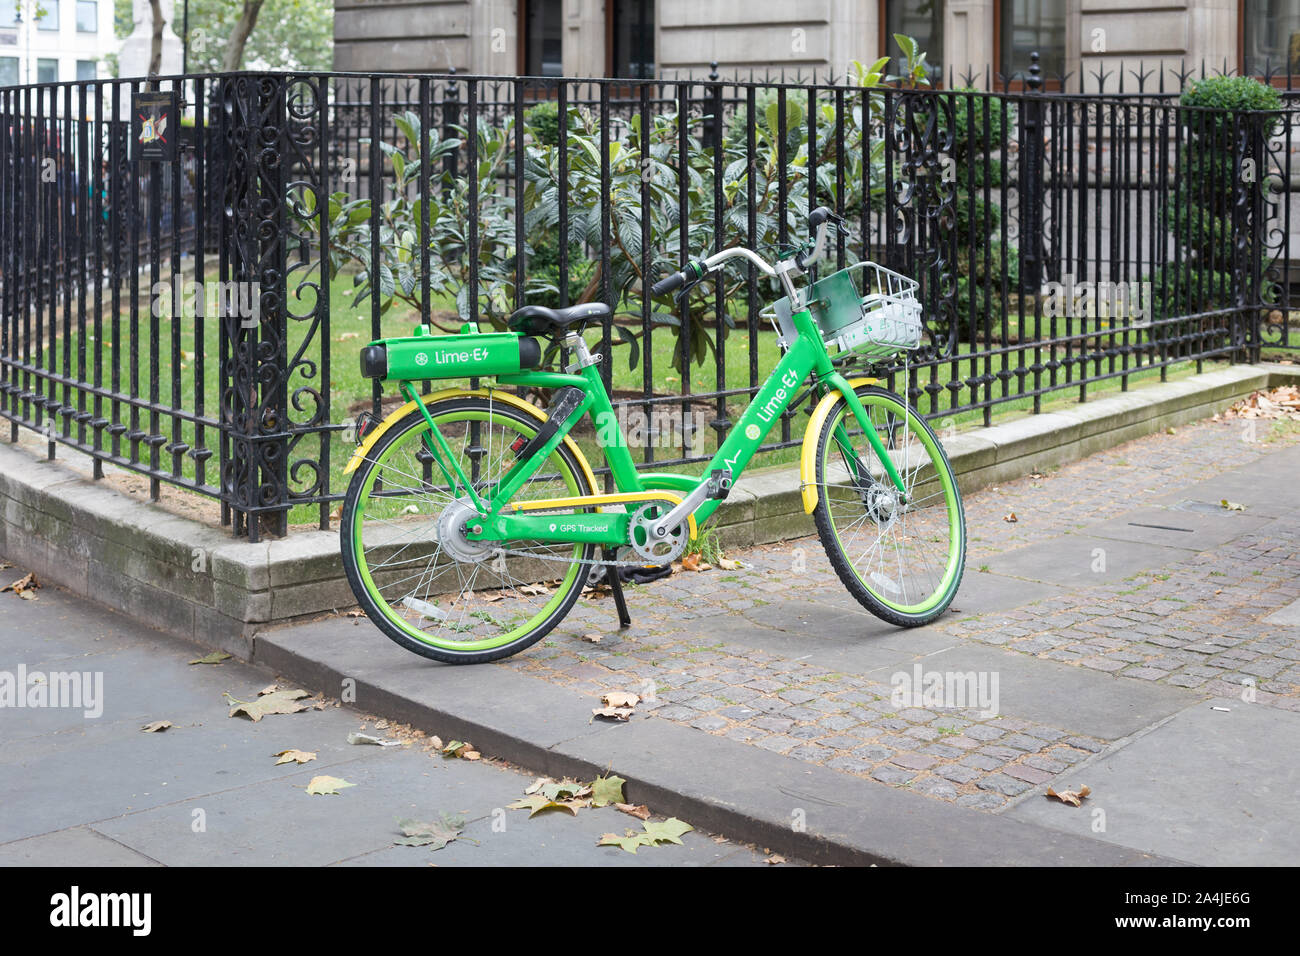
(818, 223)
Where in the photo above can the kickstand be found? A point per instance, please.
(616, 588)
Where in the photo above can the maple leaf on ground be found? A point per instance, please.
(322, 785)
(276, 702)
(436, 834)
(667, 831)
(294, 756)
(641, 812)
(216, 657)
(156, 726)
(537, 803)
(564, 790)
(620, 698)
(629, 841)
(607, 791)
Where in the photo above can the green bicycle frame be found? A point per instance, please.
(806, 356)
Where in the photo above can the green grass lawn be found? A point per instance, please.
(193, 346)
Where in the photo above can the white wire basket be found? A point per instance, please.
(865, 308)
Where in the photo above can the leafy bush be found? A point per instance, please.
(1198, 213)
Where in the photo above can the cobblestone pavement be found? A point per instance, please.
(721, 650)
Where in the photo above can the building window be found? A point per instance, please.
(87, 70)
(87, 16)
(51, 19)
(8, 13)
(543, 36)
(922, 20)
(47, 71)
(1032, 26)
(1270, 37)
(632, 38)
(8, 71)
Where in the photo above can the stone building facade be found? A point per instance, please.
(682, 37)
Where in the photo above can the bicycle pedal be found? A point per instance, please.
(719, 484)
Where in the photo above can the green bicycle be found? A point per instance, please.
(472, 520)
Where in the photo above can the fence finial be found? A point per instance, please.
(713, 71)
(1035, 80)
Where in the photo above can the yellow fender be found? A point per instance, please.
(808, 456)
(504, 398)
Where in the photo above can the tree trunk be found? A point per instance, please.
(155, 46)
(239, 35)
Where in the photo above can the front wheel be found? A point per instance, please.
(900, 555)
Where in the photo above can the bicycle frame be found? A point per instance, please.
(503, 520)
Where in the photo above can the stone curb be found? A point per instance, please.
(722, 785)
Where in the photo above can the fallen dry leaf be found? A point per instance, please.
(216, 657)
(156, 726)
(276, 702)
(1010, 518)
(1231, 505)
(436, 834)
(22, 584)
(620, 698)
(322, 785)
(294, 756)
(641, 812)
(538, 802)
(592, 638)
(1072, 797)
(617, 713)
(729, 565)
(775, 858)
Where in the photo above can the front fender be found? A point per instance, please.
(505, 398)
(808, 456)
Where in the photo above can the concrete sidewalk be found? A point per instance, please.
(84, 791)
(1143, 638)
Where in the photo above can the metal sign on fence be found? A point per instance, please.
(155, 127)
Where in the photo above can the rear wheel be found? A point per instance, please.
(416, 575)
(901, 557)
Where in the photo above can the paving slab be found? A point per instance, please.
(1074, 560)
(1178, 528)
(1076, 699)
(1208, 787)
(75, 847)
(277, 823)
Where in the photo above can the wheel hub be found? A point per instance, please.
(453, 524)
(882, 505)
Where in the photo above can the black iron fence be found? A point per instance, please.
(158, 315)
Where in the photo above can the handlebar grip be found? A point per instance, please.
(668, 283)
(694, 270)
(818, 216)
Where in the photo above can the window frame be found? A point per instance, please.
(1278, 79)
(1051, 84)
(886, 35)
(94, 5)
(47, 59)
(51, 6)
